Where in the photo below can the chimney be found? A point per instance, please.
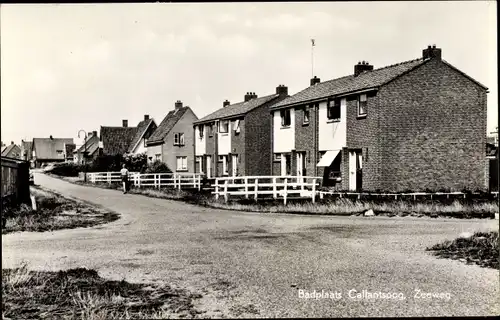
(51, 137)
(125, 123)
(12, 142)
(315, 81)
(146, 117)
(94, 133)
(226, 103)
(178, 105)
(362, 67)
(432, 53)
(248, 96)
(282, 90)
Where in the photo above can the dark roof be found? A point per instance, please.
(351, 83)
(12, 150)
(46, 148)
(167, 124)
(142, 127)
(237, 109)
(116, 140)
(92, 145)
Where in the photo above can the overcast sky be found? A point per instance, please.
(71, 67)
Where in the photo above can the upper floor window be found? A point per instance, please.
(224, 126)
(333, 109)
(158, 157)
(306, 115)
(178, 139)
(286, 120)
(201, 129)
(237, 126)
(59, 151)
(362, 105)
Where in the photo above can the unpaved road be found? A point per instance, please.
(254, 265)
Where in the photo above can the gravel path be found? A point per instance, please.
(260, 265)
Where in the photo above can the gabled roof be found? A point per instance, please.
(11, 150)
(92, 145)
(351, 83)
(237, 109)
(116, 140)
(167, 124)
(46, 148)
(142, 127)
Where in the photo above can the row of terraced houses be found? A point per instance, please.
(414, 125)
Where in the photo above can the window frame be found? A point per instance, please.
(236, 126)
(360, 106)
(283, 116)
(183, 162)
(306, 110)
(222, 124)
(333, 104)
(201, 131)
(179, 139)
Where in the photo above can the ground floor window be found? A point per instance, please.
(181, 163)
(225, 165)
(286, 164)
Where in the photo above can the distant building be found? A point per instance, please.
(90, 146)
(26, 150)
(172, 142)
(49, 150)
(11, 151)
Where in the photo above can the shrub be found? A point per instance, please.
(66, 169)
(157, 167)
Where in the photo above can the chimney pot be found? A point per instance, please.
(282, 90)
(51, 137)
(226, 103)
(12, 142)
(432, 53)
(315, 81)
(362, 67)
(178, 104)
(125, 123)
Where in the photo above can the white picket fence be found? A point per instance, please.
(277, 186)
(148, 180)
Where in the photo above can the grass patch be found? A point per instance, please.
(481, 249)
(53, 212)
(81, 293)
(439, 207)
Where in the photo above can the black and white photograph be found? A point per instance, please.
(216, 160)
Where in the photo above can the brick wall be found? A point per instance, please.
(363, 133)
(258, 140)
(434, 131)
(305, 135)
(238, 146)
(171, 152)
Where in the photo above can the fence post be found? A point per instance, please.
(180, 182)
(321, 195)
(216, 189)
(314, 191)
(256, 188)
(274, 188)
(199, 182)
(109, 177)
(285, 191)
(302, 180)
(225, 190)
(194, 180)
(246, 188)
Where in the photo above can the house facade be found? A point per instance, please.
(236, 139)
(26, 150)
(172, 141)
(416, 125)
(89, 150)
(50, 150)
(11, 151)
(125, 140)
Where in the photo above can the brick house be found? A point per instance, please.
(172, 142)
(49, 150)
(236, 139)
(126, 140)
(415, 125)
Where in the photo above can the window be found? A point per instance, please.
(362, 105)
(178, 139)
(199, 161)
(201, 129)
(158, 157)
(333, 110)
(181, 163)
(306, 115)
(217, 126)
(225, 164)
(277, 157)
(237, 126)
(286, 121)
(224, 126)
(59, 152)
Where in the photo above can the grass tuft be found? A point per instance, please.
(481, 248)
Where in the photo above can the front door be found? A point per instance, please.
(234, 165)
(209, 166)
(352, 170)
